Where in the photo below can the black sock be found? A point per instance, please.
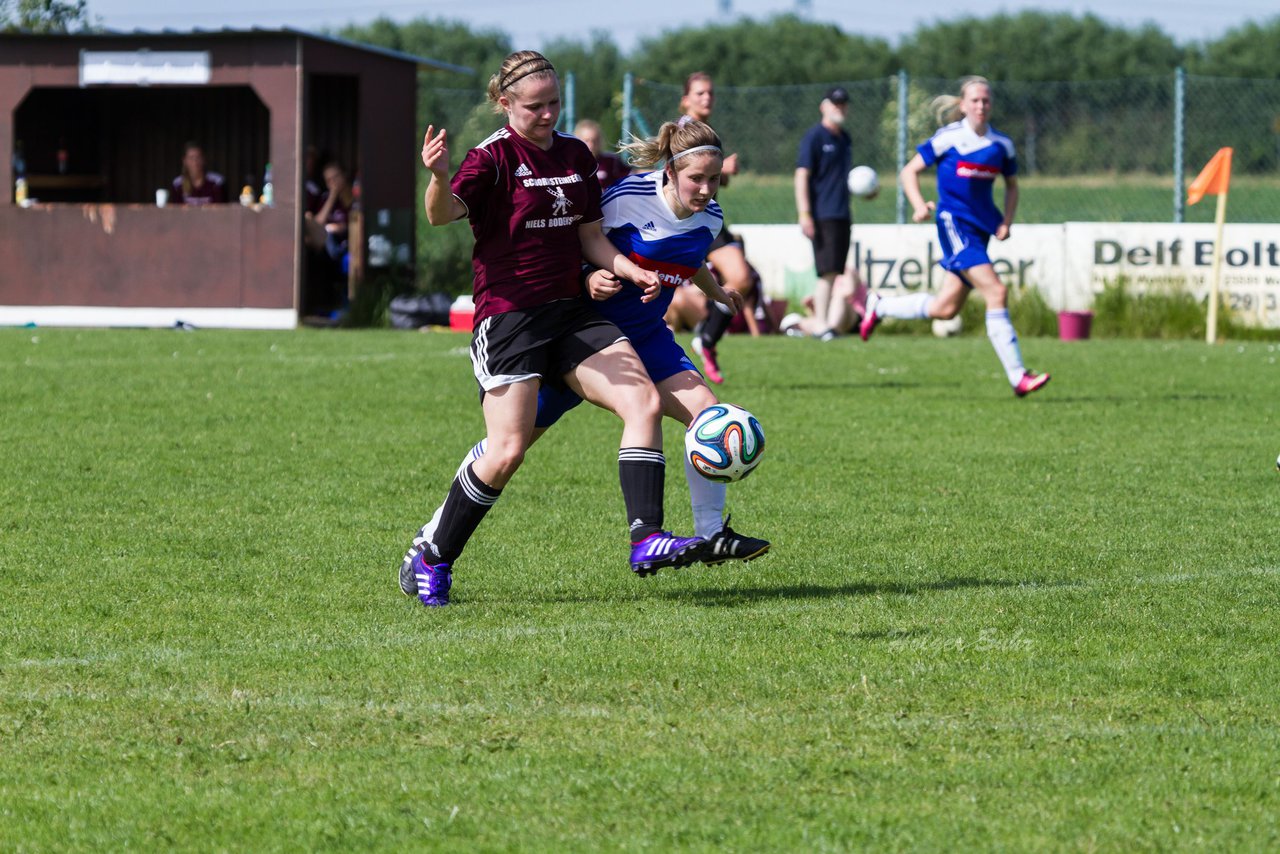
(716, 324)
(642, 472)
(468, 500)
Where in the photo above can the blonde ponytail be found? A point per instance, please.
(673, 139)
(946, 108)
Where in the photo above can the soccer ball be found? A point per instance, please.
(948, 328)
(863, 181)
(724, 443)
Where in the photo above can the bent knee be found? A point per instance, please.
(506, 457)
(640, 404)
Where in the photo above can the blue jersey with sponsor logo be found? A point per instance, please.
(642, 226)
(968, 164)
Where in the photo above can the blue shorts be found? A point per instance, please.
(658, 350)
(963, 245)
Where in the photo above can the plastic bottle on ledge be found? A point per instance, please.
(20, 176)
(268, 191)
(246, 196)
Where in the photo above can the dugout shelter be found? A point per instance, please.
(98, 122)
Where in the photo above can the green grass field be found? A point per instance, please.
(1047, 624)
(1103, 198)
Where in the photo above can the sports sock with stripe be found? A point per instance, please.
(707, 498)
(1005, 340)
(468, 501)
(642, 473)
(905, 307)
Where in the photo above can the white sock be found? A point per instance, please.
(1005, 340)
(707, 498)
(905, 307)
(428, 531)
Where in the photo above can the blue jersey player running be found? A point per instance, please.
(970, 155)
(662, 221)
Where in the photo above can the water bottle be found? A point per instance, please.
(20, 175)
(268, 190)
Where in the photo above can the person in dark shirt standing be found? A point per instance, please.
(196, 186)
(822, 204)
(533, 202)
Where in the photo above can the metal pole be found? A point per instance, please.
(1179, 141)
(626, 107)
(570, 117)
(903, 86)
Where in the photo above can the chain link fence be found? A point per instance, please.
(1093, 151)
(1107, 150)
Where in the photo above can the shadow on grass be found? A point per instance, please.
(1138, 399)
(729, 597)
(851, 384)
(732, 597)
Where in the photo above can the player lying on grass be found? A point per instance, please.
(664, 221)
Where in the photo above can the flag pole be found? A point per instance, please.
(1220, 221)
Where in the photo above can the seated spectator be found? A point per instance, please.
(848, 293)
(313, 180)
(327, 228)
(610, 168)
(195, 186)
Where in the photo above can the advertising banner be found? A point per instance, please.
(1068, 263)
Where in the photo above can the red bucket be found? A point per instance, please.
(1074, 325)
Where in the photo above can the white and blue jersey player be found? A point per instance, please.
(969, 155)
(663, 221)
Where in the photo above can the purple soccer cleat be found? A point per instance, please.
(663, 549)
(433, 581)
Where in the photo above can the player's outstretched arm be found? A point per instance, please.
(1010, 207)
(441, 204)
(708, 285)
(909, 177)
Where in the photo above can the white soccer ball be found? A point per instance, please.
(948, 328)
(863, 181)
(724, 443)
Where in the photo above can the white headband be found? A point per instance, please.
(694, 150)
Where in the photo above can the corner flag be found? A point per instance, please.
(1214, 180)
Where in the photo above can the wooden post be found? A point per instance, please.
(1215, 281)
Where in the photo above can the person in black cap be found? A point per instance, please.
(822, 205)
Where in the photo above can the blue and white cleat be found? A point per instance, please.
(663, 549)
(433, 582)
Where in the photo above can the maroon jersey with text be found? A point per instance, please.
(212, 192)
(610, 169)
(525, 206)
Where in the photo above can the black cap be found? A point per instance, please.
(838, 95)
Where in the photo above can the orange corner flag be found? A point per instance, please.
(1214, 178)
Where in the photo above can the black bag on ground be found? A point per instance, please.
(412, 311)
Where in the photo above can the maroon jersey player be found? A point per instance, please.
(196, 186)
(610, 168)
(533, 203)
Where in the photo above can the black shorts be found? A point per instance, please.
(544, 342)
(831, 245)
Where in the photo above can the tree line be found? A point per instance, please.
(786, 50)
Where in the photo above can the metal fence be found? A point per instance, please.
(1105, 150)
